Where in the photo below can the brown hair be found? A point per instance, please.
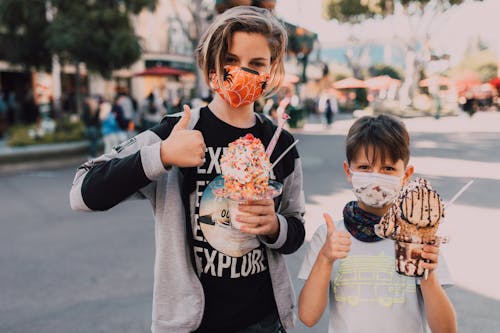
(215, 42)
(386, 134)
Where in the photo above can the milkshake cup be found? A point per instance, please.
(234, 211)
(234, 200)
(408, 258)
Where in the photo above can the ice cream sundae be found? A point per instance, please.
(412, 220)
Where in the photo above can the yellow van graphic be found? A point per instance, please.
(362, 279)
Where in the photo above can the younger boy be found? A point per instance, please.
(348, 261)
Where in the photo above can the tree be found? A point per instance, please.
(96, 32)
(417, 46)
(199, 14)
(103, 25)
(381, 69)
(23, 32)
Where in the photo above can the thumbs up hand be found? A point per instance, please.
(183, 147)
(337, 244)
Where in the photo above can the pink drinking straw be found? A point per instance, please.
(281, 122)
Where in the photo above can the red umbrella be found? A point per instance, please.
(495, 82)
(466, 81)
(349, 83)
(440, 80)
(161, 71)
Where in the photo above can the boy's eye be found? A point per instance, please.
(364, 167)
(257, 64)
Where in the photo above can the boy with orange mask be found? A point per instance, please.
(209, 278)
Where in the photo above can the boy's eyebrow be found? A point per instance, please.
(235, 56)
(262, 59)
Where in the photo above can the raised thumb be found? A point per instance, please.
(330, 226)
(182, 124)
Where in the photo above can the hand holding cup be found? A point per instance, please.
(430, 254)
(258, 217)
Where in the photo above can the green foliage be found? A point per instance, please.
(346, 10)
(340, 76)
(381, 69)
(136, 6)
(484, 63)
(297, 117)
(96, 32)
(23, 31)
(66, 131)
(299, 39)
(487, 72)
(355, 11)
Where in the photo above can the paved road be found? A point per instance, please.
(63, 271)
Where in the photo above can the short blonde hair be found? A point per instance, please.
(215, 42)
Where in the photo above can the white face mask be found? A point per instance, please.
(374, 189)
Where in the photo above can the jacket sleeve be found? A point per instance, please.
(106, 181)
(290, 214)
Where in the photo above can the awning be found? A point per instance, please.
(495, 82)
(382, 82)
(161, 71)
(438, 80)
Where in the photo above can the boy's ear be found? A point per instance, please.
(408, 173)
(347, 171)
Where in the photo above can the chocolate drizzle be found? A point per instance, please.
(415, 215)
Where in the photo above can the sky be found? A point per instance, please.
(450, 32)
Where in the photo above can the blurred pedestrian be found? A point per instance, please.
(112, 133)
(126, 103)
(151, 112)
(30, 109)
(3, 114)
(91, 121)
(13, 109)
(331, 109)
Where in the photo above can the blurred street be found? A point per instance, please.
(63, 271)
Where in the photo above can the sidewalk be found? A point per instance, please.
(43, 156)
(484, 121)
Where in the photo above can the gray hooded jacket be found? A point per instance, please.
(134, 169)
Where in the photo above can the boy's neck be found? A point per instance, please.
(243, 117)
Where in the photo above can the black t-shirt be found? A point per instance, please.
(232, 266)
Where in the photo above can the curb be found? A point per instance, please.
(42, 156)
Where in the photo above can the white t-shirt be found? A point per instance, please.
(366, 293)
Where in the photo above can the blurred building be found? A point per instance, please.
(166, 66)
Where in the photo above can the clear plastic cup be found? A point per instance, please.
(408, 258)
(235, 211)
(217, 185)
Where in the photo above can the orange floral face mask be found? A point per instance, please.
(242, 85)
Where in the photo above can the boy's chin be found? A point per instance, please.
(380, 211)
